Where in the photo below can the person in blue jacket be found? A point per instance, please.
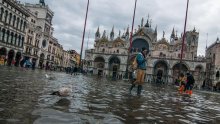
(141, 69)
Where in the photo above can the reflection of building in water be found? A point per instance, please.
(163, 57)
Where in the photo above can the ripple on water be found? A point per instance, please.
(169, 116)
(150, 118)
(112, 120)
(195, 116)
(139, 118)
(55, 117)
(1, 109)
(98, 101)
(186, 121)
(13, 120)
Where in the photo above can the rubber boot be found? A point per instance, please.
(190, 92)
(132, 86)
(139, 89)
(181, 89)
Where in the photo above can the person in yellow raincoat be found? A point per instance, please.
(182, 85)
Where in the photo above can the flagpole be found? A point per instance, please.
(130, 45)
(183, 38)
(80, 63)
(132, 26)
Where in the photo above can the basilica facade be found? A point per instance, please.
(110, 54)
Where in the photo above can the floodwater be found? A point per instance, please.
(25, 99)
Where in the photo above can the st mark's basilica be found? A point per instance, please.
(109, 55)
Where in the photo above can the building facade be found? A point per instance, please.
(66, 59)
(26, 33)
(44, 18)
(213, 64)
(110, 55)
(13, 25)
(74, 58)
(32, 39)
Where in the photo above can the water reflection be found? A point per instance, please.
(26, 100)
(63, 104)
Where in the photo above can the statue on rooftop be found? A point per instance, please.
(163, 34)
(42, 2)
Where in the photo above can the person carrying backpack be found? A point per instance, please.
(140, 61)
(190, 83)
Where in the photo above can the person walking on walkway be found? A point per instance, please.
(141, 68)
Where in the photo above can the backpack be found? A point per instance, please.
(134, 63)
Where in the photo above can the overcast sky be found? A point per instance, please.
(69, 18)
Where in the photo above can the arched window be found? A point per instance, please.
(213, 58)
(12, 37)
(19, 40)
(21, 24)
(7, 36)
(1, 13)
(3, 35)
(0, 33)
(48, 57)
(6, 15)
(103, 50)
(15, 40)
(10, 17)
(18, 20)
(14, 20)
(24, 26)
(117, 51)
(161, 54)
(217, 74)
(22, 41)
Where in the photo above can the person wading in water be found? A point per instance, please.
(141, 68)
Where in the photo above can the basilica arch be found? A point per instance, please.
(198, 73)
(176, 69)
(114, 65)
(99, 64)
(139, 42)
(161, 70)
(198, 69)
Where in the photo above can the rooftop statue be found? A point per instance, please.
(42, 2)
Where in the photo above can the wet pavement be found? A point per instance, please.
(25, 99)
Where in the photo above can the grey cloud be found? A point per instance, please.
(70, 14)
